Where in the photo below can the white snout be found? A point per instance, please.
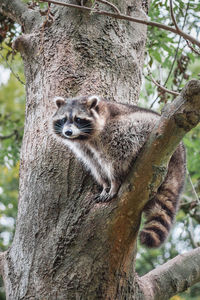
(70, 131)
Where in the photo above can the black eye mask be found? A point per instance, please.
(58, 125)
(84, 125)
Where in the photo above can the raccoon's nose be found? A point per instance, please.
(68, 132)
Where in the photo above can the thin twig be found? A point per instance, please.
(175, 56)
(111, 5)
(192, 48)
(190, 230)
(16, 76)
(14, 133)
(176, 53)
(193, 188)
(128, 18)
(173, 17)
(5, 137)
(161, 86)
(178, 29)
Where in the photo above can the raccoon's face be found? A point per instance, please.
(76, 118)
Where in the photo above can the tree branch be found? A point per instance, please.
(111, 5)
(5, 137)
(161, 87)
(17, 11)
(14, 74)
(173, 277)
(192, 48)
(173, 17)
(178, 29)
(176, 54)
(128, 18)
(148, 170)
(193, 188)
(177, 119)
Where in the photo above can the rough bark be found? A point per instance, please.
(176, 120)
(173, 277)
(18, 11)
(65, 245)
(62, 247)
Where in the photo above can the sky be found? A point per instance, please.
(4, 75)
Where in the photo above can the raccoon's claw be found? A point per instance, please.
(103, 198)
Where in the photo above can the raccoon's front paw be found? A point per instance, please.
(104, 197)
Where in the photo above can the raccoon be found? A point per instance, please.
(107, 137)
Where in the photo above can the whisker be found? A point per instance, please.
(85, 133)
(56, 126)
(85, 126)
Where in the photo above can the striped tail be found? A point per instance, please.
(161, 210)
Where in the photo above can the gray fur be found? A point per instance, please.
(108, 141)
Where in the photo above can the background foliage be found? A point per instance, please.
(172, 63)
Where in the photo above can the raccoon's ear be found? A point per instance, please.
(59, 101)
(93, 101)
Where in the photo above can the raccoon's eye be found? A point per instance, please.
(78, 120)
(64, 120)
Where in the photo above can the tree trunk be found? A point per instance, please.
(66, 246)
